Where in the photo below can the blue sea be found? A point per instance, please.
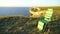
(9, 11)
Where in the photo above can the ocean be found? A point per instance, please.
(9, 11)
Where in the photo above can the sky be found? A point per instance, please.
(28, 3)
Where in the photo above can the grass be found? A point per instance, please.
(23, 25)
